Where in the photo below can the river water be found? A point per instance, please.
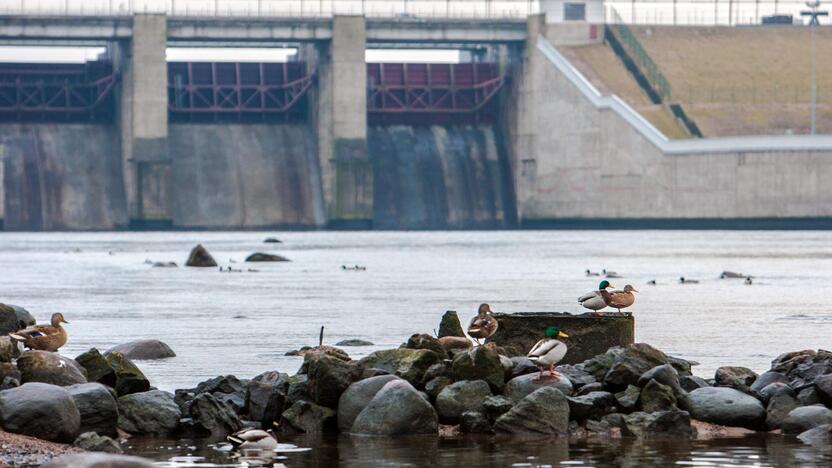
(243, 323)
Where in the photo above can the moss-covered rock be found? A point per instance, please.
(329, 377)
(425, 341)
(129, 378)
(450, 326)
(480, 363)
(409, 364)
(199, 257)
(307, 417)
(51, 368)
(98, 370)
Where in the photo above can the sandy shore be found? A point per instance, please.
(19, 450)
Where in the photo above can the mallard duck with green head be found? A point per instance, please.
(549, 351)
(597, 300)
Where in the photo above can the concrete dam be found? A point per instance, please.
(517, 136)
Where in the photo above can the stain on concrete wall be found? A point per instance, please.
(440, 177)
(245, 176)
(62, 176)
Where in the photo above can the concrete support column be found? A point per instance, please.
(143, 118)
(340, 116)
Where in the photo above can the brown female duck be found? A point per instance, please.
(483, 325)
(43, 337)
(623, 299)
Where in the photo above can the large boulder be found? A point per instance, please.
(480, 363)
(594, 405)
(329, 377)
(143, 350)
(657, 397)
(409, 364)
(153, 412)
(661, 424)
(450, 326)
(627, 399)
(803, 367)
(767, 378)
(425, 341)
(728, 407)
(690, 383)
(266, 397)
(199, 257)
(51, 368)
(113, 370)
(8, 320)
(600, 364)
(396, 409)
(522, 365)
(98, 460)
(806, 417)
(544, 411)
(779, 406)
(40, 410)
(823, 384)
(98, 408)
(92, 442)
(357, 397)
(634, 361)
(211, 416)
(459, 397)
(820, 436)
(519, 387)
(266, 257)
(576, 375)
(740, 378)
(307, 417)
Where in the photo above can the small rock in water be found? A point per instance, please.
(820, 436)
(143, 350)
(199, 257)
(164, 265)
(264, 257)
(272, 240)
(354, 342)
(93, 442)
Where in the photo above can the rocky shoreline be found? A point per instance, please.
(429, 385)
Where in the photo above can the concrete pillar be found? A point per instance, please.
(340, 117)
(2, 186)
(143, 118)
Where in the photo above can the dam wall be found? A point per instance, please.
(62, 177)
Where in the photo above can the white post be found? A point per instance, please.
(814, 81)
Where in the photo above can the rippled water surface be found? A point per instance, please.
(243, 323)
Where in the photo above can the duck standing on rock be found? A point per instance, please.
(483, 325)
(43, 337)
(253, 439)
(548, 352)
(621, 299)
(597, 300)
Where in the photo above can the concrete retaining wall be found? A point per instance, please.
(439, 177)
(62, 176)
(245, 176)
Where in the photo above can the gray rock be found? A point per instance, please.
(779, 406)
(682, 366)
(728, 407)
(440, 369)
(450, 326)
(806, 417)
(496, 406)
(98, 408)
(298, 389)
(98, 460)
(599, 365)
(307, 417)
(589, 388)
(397, 409)
(474, 422)
(803, 367)
(657, 397)
(143, 350)
(576, 374)
(591, 406)
(823, 384)
(480, 363)
(508, 366)
(434, 387)
(9, 370)
(354, 342)
(92, 442)
(425, 341)
(40, 410)
(628, 398)
(519, 387)
(212, 417)
(521, 365)
(634, 361)
(598, 428)
(199, 257)
(329, 377)
(459, 397)
(409, 364)
(664, 374)
(129, 378)
(809, 396)
(51, 368)
(8, 349)
(767, 378)
(661, 424)
(615, 420)
(24, 318)
(690, 383)
(773, 389)
(357, 397)
(740, 378)
(153, 412)
(265, 257)
(544, 411)
(266, 397)
(820, 436)
(8, 320)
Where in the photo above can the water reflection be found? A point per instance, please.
(352, 451)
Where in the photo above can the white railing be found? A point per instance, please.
(474, 9)
(702, 12)
(739, 144)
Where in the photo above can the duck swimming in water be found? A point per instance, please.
(253, 439)
(597, 300)
(610, 274)
(483, 325)
(43, 337)
(549, 351)
(622, 299)
(683, 280)
(592, 273)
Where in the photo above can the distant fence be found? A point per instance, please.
(473, 9)
(704, 12)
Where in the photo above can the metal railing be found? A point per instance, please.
(702, 12)
(404, 9)
(645, 64)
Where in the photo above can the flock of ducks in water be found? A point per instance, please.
(682, 280)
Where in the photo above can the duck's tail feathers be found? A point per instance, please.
(235, 441)
(17, 337)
